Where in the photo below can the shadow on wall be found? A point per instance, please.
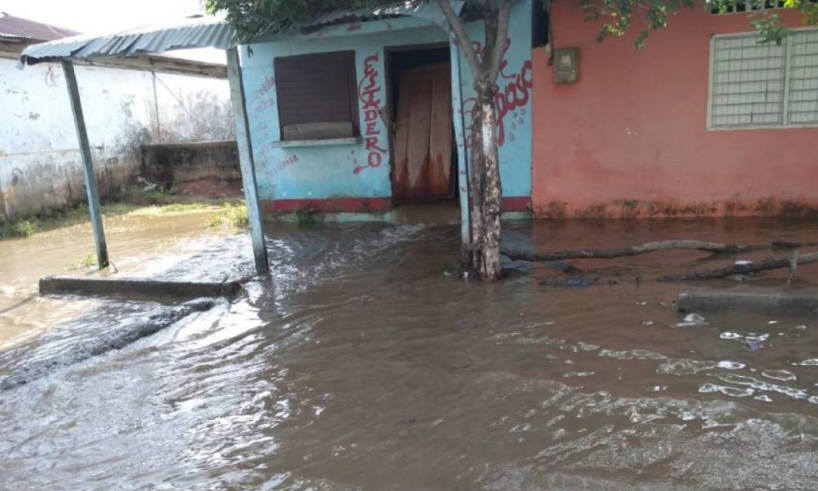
(186, 162)
(199, 116)
(41, 182)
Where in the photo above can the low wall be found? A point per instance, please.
(38, 183)
(183, 162)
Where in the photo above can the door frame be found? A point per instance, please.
(390, 99)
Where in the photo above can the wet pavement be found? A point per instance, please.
(364, 363)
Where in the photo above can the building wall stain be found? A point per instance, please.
(668, 208)
(40, 163)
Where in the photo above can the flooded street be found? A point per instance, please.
(364, 363)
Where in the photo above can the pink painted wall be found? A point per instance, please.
(630, 138)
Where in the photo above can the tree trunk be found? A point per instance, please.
(485, 187)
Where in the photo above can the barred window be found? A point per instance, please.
(763, 84)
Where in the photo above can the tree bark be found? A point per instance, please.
(485, 186)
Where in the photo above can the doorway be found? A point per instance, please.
(423, 145)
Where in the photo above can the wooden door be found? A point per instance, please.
(423, 135)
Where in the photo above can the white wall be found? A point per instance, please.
(40, 166)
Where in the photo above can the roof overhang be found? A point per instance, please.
(202, 32)
(207, 32)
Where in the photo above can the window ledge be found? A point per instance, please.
(794, 126)
(316, 143)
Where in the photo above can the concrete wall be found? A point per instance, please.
(355, 177)
(40, 165)
(183, 162)
(514, 106)
(630, 138)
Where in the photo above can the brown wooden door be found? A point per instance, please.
(423, 135)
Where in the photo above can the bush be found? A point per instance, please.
(233, 215)
(147, 197)
(24, 229)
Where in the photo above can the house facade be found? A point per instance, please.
(702, 121)
(358, 118)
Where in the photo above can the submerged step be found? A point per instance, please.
(759, 302)
(110, 341)
(129, 287)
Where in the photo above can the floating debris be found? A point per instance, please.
(692, 320)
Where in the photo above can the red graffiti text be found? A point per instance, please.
(369, 92)
(513, 92)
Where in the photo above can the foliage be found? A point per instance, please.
(252, 17)
(233, 215)
(618, 16)
(139, 196)
(23, 228)
(88, 262)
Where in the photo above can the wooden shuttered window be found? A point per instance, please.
(317, 96)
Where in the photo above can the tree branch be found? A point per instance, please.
(461, 37)
(500, 43)
(756, 267)
(646, 248)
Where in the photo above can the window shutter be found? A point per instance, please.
(803, 93)
(748, 82)
(317, 95)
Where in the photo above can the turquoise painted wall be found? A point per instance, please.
(513, 102)
(361, 169)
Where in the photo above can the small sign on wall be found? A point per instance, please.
(566, 69)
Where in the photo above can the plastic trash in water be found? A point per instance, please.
(692, 320)
(743, 277)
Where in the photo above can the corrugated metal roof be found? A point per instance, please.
(208, 32)
(343, 16)
(199, 32)
(19, 28)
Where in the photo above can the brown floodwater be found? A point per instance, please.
(364, 363)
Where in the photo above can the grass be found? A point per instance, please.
(233, 215)
(90, 261)
(135, 201)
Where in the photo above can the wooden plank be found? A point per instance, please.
(420, 112)
(248, 168)
(440, 134)
(400, 166)
(91, 186)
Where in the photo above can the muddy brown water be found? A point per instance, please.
(363, 364)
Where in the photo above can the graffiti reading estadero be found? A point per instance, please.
(369, 91)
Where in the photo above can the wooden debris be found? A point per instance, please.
(755, 267)
(664, 245)
(793, 265)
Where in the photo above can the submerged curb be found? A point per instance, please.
(110, 341)
(123, 287)
(759, 302)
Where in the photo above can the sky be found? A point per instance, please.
(109, 16)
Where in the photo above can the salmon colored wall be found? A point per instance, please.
(630, 139)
